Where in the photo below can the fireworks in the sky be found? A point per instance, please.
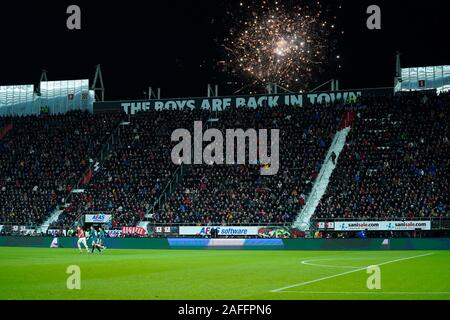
(275, 42)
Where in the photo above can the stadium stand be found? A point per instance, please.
(395, 163)
(238, 194)
(42, 157)
(130, 179)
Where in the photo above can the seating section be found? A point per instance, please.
(132, 177)
(42, 158)
(396, 163)
(238, 193)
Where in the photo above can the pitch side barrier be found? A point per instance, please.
(249, 101)
(243, 244)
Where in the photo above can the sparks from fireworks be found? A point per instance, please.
(276, 44)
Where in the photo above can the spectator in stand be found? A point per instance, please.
(395, 163)
(131, 179)
(43, 157)
(238, 194)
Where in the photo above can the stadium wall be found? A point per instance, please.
(246, 244)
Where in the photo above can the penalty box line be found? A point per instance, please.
(347, 272)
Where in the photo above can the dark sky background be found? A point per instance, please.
(173, 44)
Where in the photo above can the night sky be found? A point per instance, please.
(174, 44)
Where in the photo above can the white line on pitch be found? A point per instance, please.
(364, 292)
(307, 263)
(347, 272)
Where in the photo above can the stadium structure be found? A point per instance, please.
(362, 169)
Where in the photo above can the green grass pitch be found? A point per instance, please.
(40, 273)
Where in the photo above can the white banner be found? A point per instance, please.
(114, 233)
(222, 103)
(30, 232)
(381, 225)
(97, 218)
(21, 229)
(162, 229)
(134, 230)
(55, 232)
(320, 225)
(223, 231)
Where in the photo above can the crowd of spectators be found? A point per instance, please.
(42, 158)
(396, 162)
(239, 194)
(131, 178)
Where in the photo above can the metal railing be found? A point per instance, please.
(15, 223)
(17, 228)
(437, 223)
(105, 150)
(252, 224)
(169, 188)
(391, 218)
(174, 181)
(313, 192)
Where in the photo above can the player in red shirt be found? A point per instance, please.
(82, 239)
